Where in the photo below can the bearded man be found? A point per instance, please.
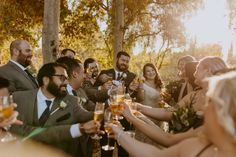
(120, 73)
(50, 107)
(16, 71)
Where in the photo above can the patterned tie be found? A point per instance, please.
(74, 92)
(46, 113)
(31, 77)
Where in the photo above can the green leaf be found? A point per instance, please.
(34, 133)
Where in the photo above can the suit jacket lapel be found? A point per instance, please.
(32, 109)
(21, 71)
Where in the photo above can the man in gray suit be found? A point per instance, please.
(51, 107)
(16, 69)
(94, 93)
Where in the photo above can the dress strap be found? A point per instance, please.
(203, 149)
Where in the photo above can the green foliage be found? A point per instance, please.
(185, 118)
(19, 18)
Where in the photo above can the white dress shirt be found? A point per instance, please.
(41, 101)
(69, 89)
(74, 129)
(19, 65)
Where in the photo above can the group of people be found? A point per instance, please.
(63, 97)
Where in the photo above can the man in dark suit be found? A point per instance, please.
(120, 73)
(91, 71)
(51, 107)
(16, 69)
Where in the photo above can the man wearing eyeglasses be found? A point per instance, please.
(76, 78)
(51, 107)
(16, 69)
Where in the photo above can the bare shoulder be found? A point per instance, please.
(190, 147)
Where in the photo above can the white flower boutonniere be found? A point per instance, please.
(62, 106)
(34, 75)
(83, 99)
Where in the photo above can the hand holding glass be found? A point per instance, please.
(6, 110)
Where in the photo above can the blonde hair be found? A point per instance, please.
(222, 91)
(213, 63)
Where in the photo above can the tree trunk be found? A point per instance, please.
(50, 43)
(118, 27)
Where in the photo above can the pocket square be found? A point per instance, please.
(64, 117)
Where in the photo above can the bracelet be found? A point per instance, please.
(118, 137)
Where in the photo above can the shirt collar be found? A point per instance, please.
(69, 89)
(42, 97)
(19, 65)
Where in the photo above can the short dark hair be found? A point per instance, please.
(63, 52)
(4, 83)
(70, 64)
(47, 70)
(87, 62)
(122, 53)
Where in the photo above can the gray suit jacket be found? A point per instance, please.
(19, 80)
(58, 132)
(87, 103)
(93, 93)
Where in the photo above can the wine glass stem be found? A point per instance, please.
(108, 140)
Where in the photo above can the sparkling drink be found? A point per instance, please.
(114, 108)
(7, 111)
(119, 97)
(98, 116)
(108, 130)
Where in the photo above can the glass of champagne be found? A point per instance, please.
(108, 119)
(6, 110)
(98, 116)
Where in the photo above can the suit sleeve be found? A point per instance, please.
(81, 115)
(98, 82)
(4, 74)
(96, 95)
(52, 134)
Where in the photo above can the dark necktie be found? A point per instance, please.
(46, 113)
(119, 76)
(31, 77)
(74, 92)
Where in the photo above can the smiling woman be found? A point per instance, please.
(210, 25)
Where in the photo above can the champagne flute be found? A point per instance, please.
(6, 110)
(98, 116)
(108, 119)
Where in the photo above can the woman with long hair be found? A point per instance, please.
(150, 95)
(218, 136)
(206, 68)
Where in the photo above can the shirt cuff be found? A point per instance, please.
(109, 92)
(74, 131)
(100, 88)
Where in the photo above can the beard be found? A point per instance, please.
(56, 90)
(121, 67)
(95, 74)
(24, 60)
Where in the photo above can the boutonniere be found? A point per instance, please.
(34, 75)
(62, 106)
(81, 100)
